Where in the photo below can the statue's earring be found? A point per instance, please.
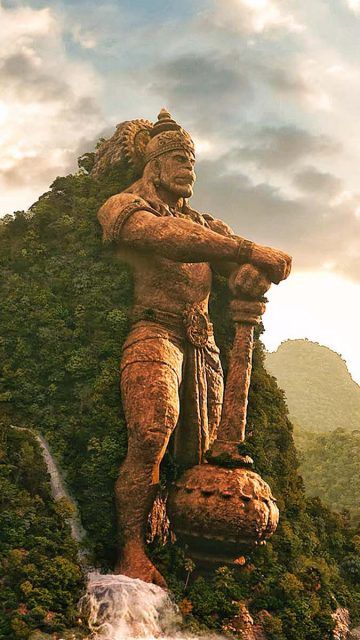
(157, 181)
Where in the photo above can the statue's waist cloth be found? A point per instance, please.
(184, 345)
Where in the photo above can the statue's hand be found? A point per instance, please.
(249, 281)
(275, 263)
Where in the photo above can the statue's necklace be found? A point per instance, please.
(177, 213)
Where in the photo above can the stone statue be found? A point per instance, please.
(171, 376)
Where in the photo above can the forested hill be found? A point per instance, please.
(330, 468)
(320, 392)
(324, 403)
(64, 316)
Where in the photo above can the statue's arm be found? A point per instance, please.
(129, 221)
(246, 279)
(223, 268)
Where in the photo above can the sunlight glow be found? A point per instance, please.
(266, 14)
(354, 5)
(3, 113)
(203, 147)
(256, 4)
(321, 306)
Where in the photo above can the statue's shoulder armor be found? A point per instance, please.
(217, 225)
(117, 210)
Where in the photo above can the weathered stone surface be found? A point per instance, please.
(219, 512)
(171, 377)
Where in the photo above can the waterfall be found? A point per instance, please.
(58, 490)
(121, 608)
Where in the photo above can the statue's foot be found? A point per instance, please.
(137, 565)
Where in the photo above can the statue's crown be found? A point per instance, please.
(167, 135)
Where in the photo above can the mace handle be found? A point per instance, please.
(246, 314)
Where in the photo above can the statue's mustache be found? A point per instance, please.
(185, 179)
(185, 176)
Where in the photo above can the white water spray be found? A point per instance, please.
(121, 608)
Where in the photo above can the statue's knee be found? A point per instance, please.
(152, 430)
(155, 441)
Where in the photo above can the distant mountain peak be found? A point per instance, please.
(320, 391)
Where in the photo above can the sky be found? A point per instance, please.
(269, 90)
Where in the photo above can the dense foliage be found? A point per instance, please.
(39, 574)
(319, 389)
(329, 464)
(64, 318)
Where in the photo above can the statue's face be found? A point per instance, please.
(177, 173)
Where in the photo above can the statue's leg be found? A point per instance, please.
(150, 395)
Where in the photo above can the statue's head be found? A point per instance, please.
(170, 157)
(163, 153)
(174, 172)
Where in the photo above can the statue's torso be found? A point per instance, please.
(159, 282)
(165, 284)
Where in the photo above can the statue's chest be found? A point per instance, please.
(154, 272)
(187, 273)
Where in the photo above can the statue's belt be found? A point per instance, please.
(193, 323)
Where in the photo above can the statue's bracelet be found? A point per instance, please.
(244, 251)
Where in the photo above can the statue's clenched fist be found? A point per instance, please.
(275, 263)
(249, 281)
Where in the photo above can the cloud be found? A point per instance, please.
(218, 87)
(254, 209)
(253, 16)
(27, 77)
(249, 82)
(47, 102)
(217, 91)
(314, 230)
(311, 180)
(281, 147)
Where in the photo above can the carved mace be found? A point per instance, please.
(246, 314)
(222, 508)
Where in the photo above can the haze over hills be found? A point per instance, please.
(324, 404)
(321, 394)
